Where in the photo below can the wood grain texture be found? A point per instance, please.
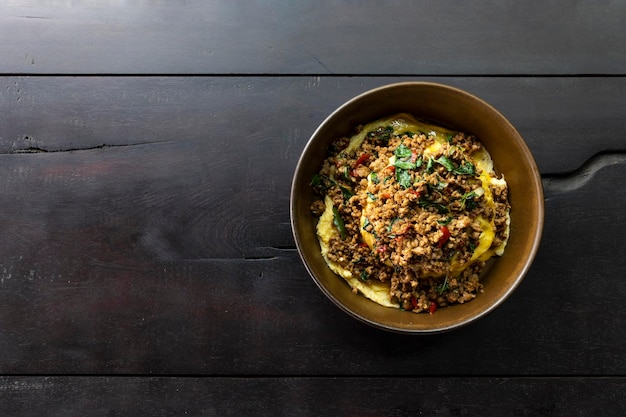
(336, 37)
(147, 265)
(135, 243)
(150, 396)
(243, 120)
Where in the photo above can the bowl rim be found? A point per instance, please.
(537, 188)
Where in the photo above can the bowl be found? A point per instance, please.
(447, 106)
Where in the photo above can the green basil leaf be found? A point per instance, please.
(467, 168)
(364, 275)
(322, 182)
(381, 134)
(468, 200)
(402, 151)
(402, 164)
(447, 163)
(338, 222)
(429, 166)
(316, 180)
(404, 178)
(347, 193)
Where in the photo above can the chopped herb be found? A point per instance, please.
(466, 168)
(402, 164)
(452, 148)
(405, 158)
(382, 134)
(449, 137)
(468, 200)
(386, 134)
(426, 203)
(447, 163)
(402, 151)
(364, 275)
(374, 178)
(322, 182)
(441, 209)
(404, 178)
(366, 223)
(316, 180)
(443, 287)
(347, 193)
(338, 222)
(390, 225)
(445, 221)
(371, 196)
(429, 166)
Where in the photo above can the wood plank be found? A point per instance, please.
(168, 249)
(271, 37)
(109, 265)
(150, 396)
(564, 120)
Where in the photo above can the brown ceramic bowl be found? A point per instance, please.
(450, 107)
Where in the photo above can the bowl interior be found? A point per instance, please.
(450, 107)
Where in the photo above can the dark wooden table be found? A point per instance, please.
(147, 264)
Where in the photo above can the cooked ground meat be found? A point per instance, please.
(412, 214)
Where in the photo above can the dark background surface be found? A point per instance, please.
(147, 265)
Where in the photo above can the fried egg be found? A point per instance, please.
(326, 230)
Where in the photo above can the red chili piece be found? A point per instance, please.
(444, 236)
(432, 307)
(361, 159)
(358, 162)
(405, 229)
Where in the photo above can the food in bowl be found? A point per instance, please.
(410, 213)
